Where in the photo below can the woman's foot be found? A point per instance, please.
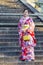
(21, 59)
(32, 60)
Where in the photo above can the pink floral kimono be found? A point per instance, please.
(27, 47)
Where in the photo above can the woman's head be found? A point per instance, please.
(26, 13)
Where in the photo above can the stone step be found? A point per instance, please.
(17, 52)
(9, 48)
(8, 39)
(38, 38)
(39, 28)
(16, 38)
(13, 32)
(36, 62)
(10, 4)
(16, 58)
(6, 6)
(13, 35)
(3, 38)
(10, 10)
(15, 24)
(13, 19)
(16, 43)
(15, 28)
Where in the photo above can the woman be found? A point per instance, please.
(27, 45)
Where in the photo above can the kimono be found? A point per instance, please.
(27, 47)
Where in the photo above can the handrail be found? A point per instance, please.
(38, 2)
(32, 9)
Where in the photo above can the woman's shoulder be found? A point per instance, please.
(21, 19)
(30, 19)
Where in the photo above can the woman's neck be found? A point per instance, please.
(25, 17)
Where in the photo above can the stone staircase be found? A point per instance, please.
(12, 6)
(9, 45)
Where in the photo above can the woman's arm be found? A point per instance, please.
(19, 28)
(32, 26)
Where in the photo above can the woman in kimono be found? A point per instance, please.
(28, 42)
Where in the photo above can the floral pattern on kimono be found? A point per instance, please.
(27, 47)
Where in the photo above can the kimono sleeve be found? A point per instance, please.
(19, 26)
(32, 25)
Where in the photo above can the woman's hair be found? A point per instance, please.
(25, 10)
